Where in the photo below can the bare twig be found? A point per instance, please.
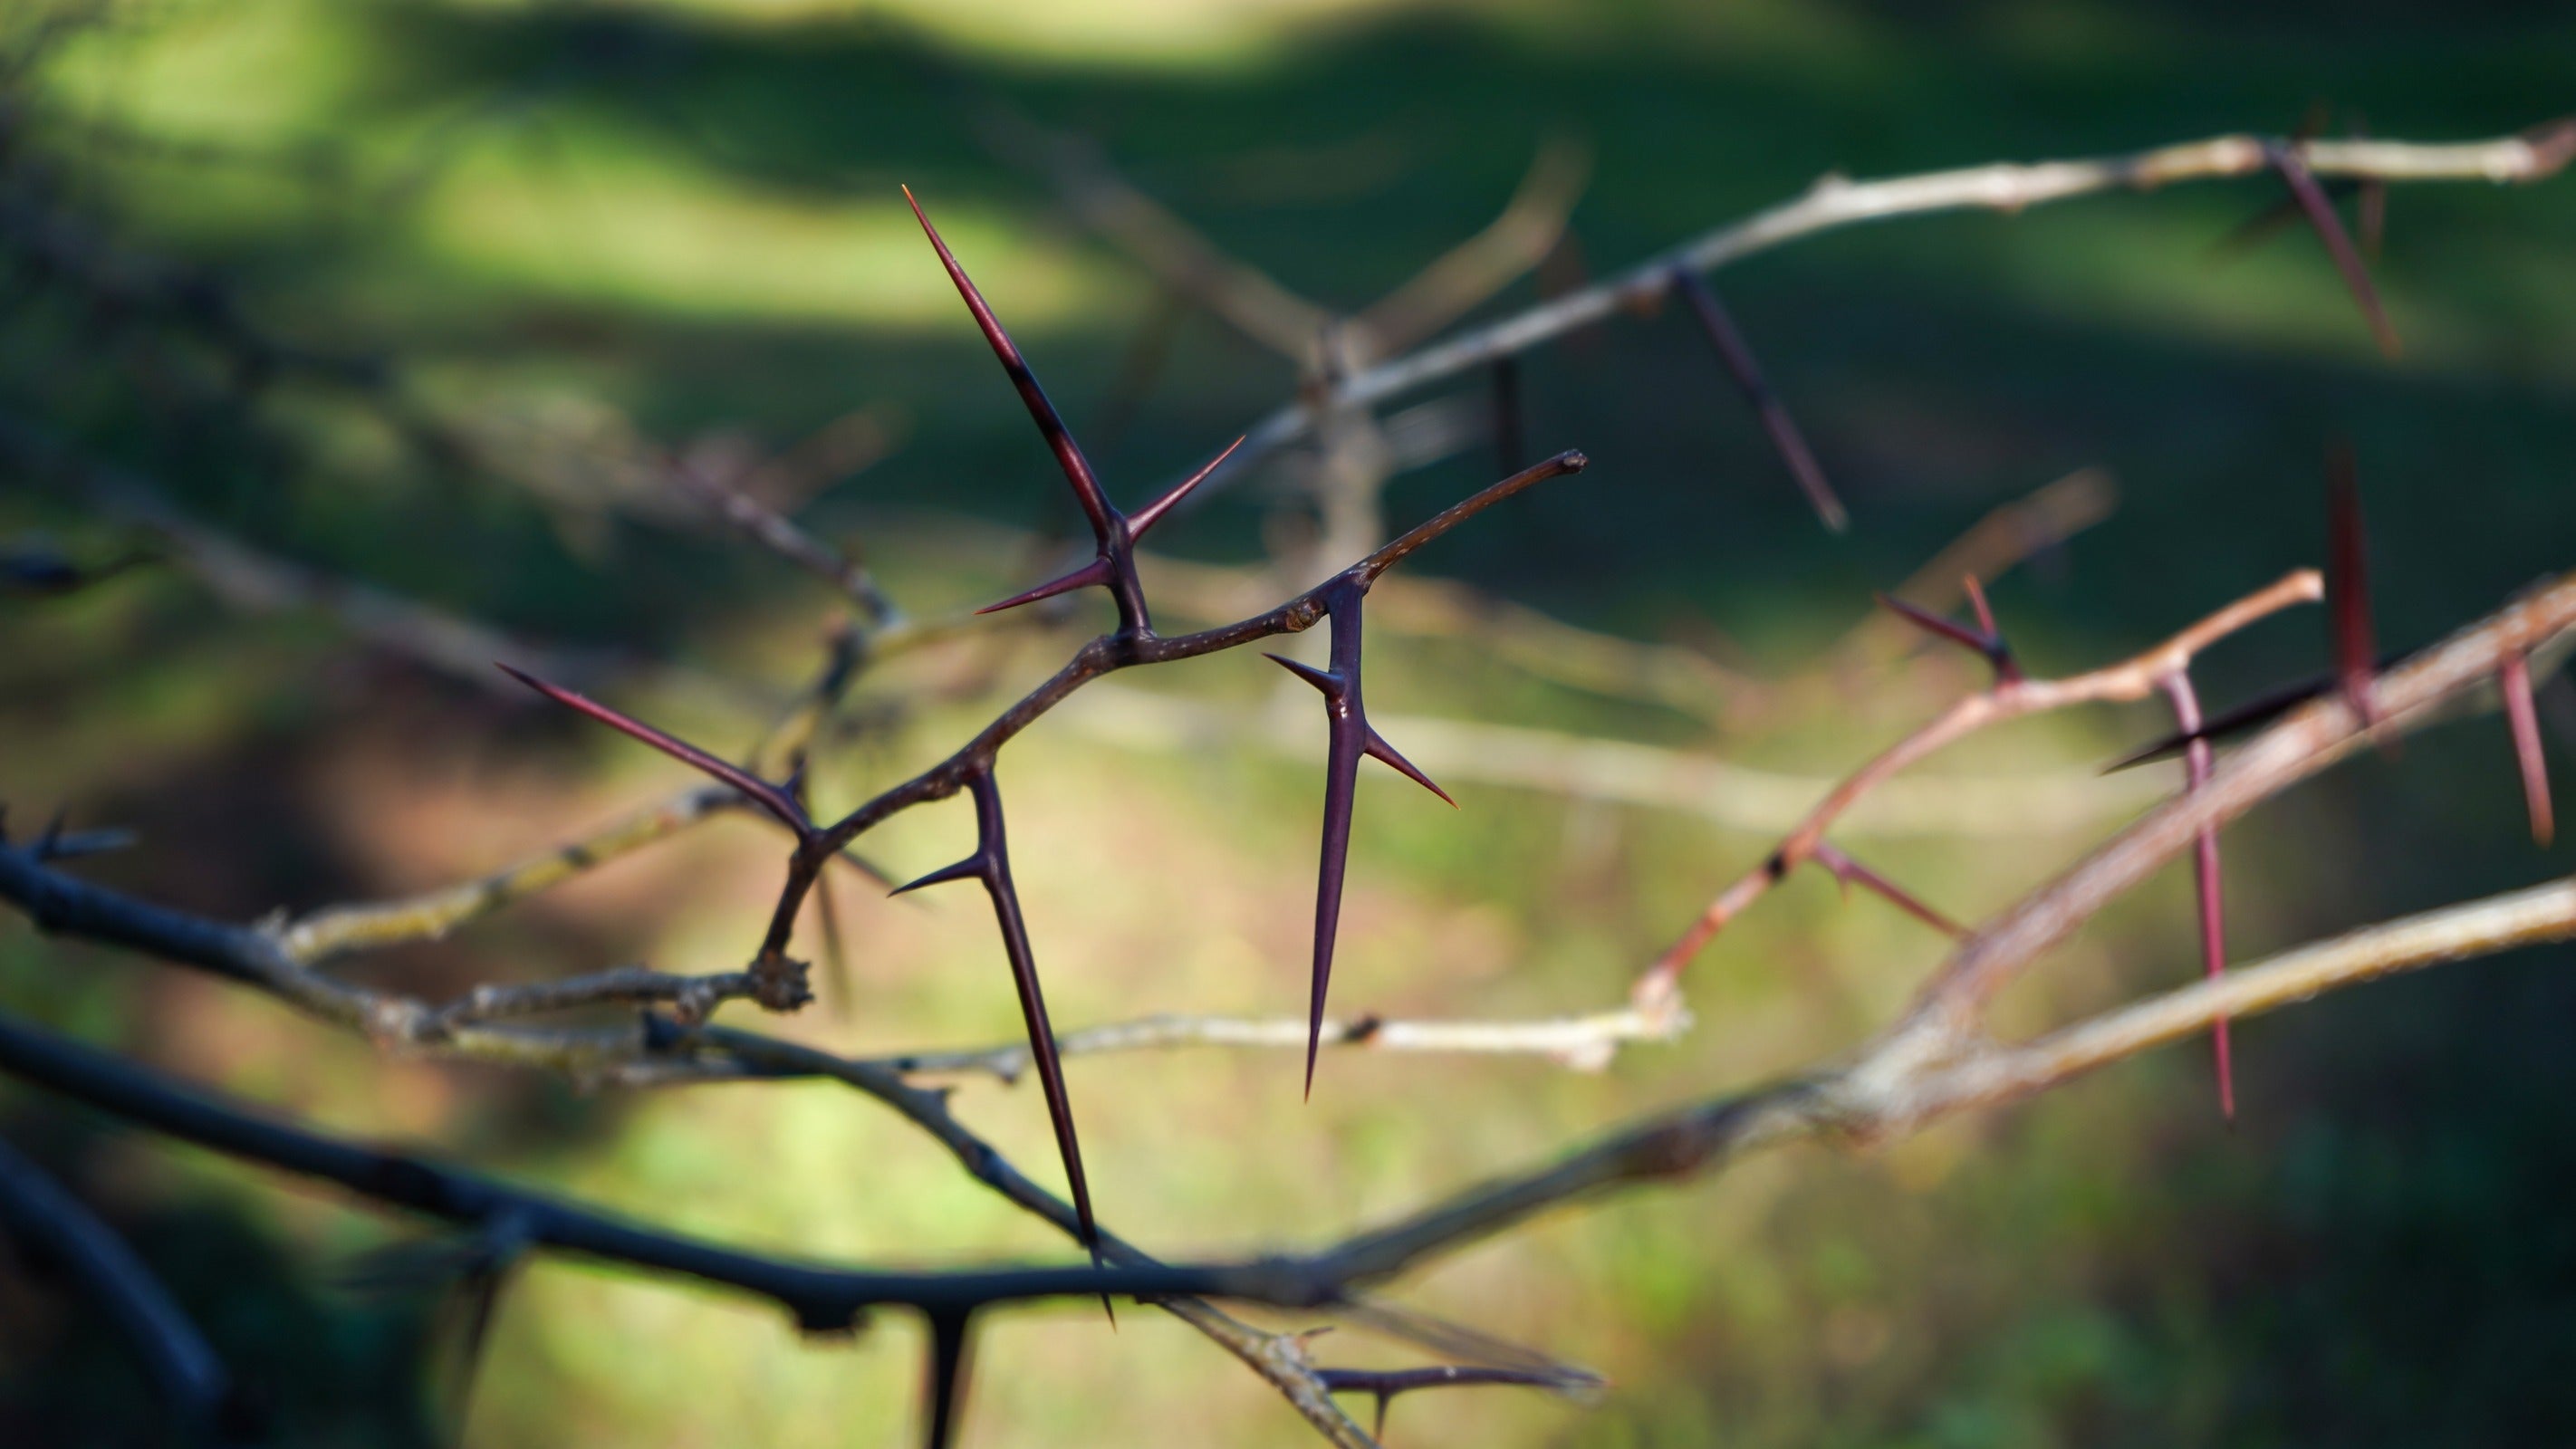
(2010, 698)
(784, 537)
(339, 930)
(51, 1225)
(1834, 203)
(1584, 1043)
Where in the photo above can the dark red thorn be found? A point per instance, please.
(1977, 600)
(2348, 586)
(2000, 655)
(1959, 634)
(2263, 224)
(1986, 644)
(1323, 679)
(2329, 228)
(2205, 881)
(1059, 438)
(991, 864)
(1095, 572)
(767, 796)
(944, 1389)
(973, 867)
(1849, 872)
(2522, 717)
(1152, 513)
(1376, 747)
(1348, 737)
(2252, 714)
(1785, 437)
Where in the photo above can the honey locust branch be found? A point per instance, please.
(1929, 1062)
(2009, 698)
(1836, 202)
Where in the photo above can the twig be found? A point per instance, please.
(1891, 1088)
(2009, 698)
(1583, 1043)
(248, 579)
(1834, 203)
(50, 1224)
(692, 998)
(784, 537)
(430, 916)
(1455, 283)
(1723, 792)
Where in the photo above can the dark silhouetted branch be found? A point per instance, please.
(51, 1226)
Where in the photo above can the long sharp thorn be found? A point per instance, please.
(994, 850)
(1341, 772)
(1152, 513)
(972, 867)
(1347, 740)
(1374, 745)
(2329, 228)
(945, 1384)
(1323, 679)
(1094, 572)
(1998, 653)
(481, 1294)
(1786, 440)
(762, 793)
(2250, 715)
(2263, 224)
(1985, 645)
(2522, 716)
(2312, 124)
(1849, 872)
(2348, 587)
(1059, 438)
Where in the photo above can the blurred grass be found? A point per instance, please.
(686, 211)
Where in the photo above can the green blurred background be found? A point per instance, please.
(571, 226)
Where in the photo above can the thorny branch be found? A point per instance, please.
(2009, 698)
(1930, 1062)
(1837, 202)
(51, 1226)
(1933, 1060)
